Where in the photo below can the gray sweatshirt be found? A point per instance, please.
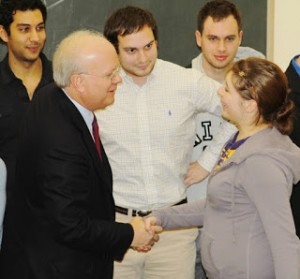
(248, 229)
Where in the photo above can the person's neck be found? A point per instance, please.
(248, 131)
(24, 68)
(140, 81)
(215, 73)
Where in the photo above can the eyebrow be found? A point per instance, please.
(231, 36)
(28, 24)
(151, 42)
(216, 36)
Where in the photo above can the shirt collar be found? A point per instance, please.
(154, 72)
(7, 75)
(87, 115)
(197, 63)
(47, 73)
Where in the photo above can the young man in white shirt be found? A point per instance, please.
(148, 135)
(219, 36)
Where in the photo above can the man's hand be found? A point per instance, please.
(151, 223)
(143, 239)
(195, 173)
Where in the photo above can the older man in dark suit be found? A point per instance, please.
(63, 173)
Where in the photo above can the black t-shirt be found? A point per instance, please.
(14, 101)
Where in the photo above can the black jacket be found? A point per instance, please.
(294, 84)
(67, 193)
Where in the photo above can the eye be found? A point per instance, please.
(24, 29)
(114, 74)
(40, 28)
(110, 76)
(212, 38)
(230, 39)
(149, 46)
(131, 50)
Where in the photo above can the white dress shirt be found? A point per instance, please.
(87, 115)
(148, 134)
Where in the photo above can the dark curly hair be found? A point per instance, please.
(9, 7)
(128, 20)
(218, 10)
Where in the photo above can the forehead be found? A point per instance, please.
(28, 17)
(225, 26)
(138, 39)
(102, 57)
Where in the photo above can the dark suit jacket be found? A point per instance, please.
(294, 84)
(67, 194)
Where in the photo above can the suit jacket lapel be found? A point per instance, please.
(102, 167)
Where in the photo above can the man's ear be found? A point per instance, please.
(241, 37)
(198, 38)
(3, 34)
(76, 82)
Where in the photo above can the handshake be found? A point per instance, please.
(145, 233)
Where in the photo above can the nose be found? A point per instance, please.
(221, 45)
(34, 37)
(142, 56)
(117, 78)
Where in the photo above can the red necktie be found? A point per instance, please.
(96, 136)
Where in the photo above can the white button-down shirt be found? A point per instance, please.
(148, 134)
(87, 115)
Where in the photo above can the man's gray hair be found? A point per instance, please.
(67, 56)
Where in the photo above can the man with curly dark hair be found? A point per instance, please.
(22, 71)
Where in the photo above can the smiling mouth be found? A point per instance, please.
(34, 48)
(221, 58)
(113, 90)
(143, 67)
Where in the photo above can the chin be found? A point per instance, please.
(225, 116)
(32, 58)
(221, 65)
(109, 102)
